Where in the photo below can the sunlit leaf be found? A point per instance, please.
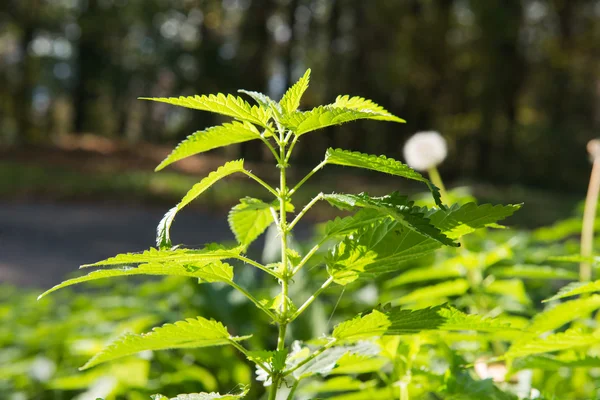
(215, 271)
(301, 122)
(202, 396)
(442, 290)
(291, 98)
(398, 207)
(380, 164)
(373, 324)
(191, 333)
(232, 106)
(569, 339)
(249, 219)
(575, 288)
(563, 313)
(212, 138)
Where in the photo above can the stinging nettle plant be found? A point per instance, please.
(382, 234)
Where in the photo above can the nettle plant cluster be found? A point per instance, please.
(381, 234)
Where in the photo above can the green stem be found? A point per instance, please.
(436, 179)
(312, 298)
(245, 352)
(289, 152)
(307, 257)
(271, 148)
(284, 278)
(274, 387)
(253, 299)
(307, 177)
(258, 265)
(260, 181)
(305, 210)
(310, 358)
(293, 391)
(589, 217)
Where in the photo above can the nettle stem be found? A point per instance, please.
(285, 271)
(436, 179)
(589, 213)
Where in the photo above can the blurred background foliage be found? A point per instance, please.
(512, 85)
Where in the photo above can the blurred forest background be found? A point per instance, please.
(513, 84)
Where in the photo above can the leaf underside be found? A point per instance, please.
(163, 237)
(381, 164)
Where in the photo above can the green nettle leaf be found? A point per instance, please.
(325, 362)
(575, 258)
(202, 396)
(354, 364)
(442, 290)
(262, 99)
(561, 314)
(215, 271)
(291, 98)
(343, 226)
(301, 122)
(575, 288)
(373, 324)
(361, 104)
(446, 270)
(163, 237)
(249, 219)
(191, 333)
(212, 138)
(380, 164)
(338, 384)
(211, 252)
(552, 363)
(524, 271)
(397, 207)
(570, 339)
(229, 105)
(461, 220)
(509, 288)
(443, 317)
(377, 248)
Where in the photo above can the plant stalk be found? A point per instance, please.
(283, 227)
(436, 179)
(589, 213)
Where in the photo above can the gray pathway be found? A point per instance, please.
(40, 243)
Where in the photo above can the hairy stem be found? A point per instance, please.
(305, 210)
(307, 257)
(289, 152)
(307, 177)
(259, 266)
(308, 359)
(271, 148)
(261, 182)
(293, 391)
(312, 298)
(283, 320)
(245, 352)
(253, 300)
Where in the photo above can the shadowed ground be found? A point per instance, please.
(40, 243)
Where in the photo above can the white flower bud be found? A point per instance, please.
(425, 150)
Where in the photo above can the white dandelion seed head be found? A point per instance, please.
(425, 150)
(593, 147)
